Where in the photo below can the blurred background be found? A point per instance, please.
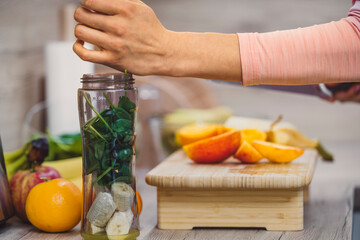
(31, 61)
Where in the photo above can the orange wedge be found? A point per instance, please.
(250, 134)
(247, 153)
(276, 152)
(196, 132)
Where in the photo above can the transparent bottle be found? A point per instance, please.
(107, 110)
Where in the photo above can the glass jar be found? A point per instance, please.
(108, 105)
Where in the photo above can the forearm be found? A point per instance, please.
(203, 55)
(131, 37)
(321, 53)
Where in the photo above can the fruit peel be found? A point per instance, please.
(214, 149)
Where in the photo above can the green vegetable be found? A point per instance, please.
(109, 138)
(63, 147)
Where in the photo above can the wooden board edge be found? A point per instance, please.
(152, 178)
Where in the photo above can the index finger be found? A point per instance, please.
(110, 7)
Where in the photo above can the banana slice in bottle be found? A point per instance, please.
(118, 225)
(130, 216)
(123, 196)
(101, 209)
(95, 229)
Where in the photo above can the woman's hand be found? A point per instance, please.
(350, 95)
(130, 36)
(127, 33)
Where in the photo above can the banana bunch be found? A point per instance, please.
(292, 137)
(16, 160)
(30, 155)
(48, 149)
(112, 212)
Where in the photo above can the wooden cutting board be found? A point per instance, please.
(231, 194)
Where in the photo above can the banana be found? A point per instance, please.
(77, 181)
(257, 123)
(291, 137)
(14, 155)
(130, 215)
(123, 196)
(68, 168)
(93, 229)
(101, 209)
(15, 166)
(98, 188)
(119, 224)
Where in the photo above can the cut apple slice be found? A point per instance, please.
(247, 153)
(214, 149)
(276, 152)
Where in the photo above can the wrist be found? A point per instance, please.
(202, 55)
(172, 60)
(159, 63)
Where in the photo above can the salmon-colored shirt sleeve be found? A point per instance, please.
(318, 54)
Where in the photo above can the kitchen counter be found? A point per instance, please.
(328, 214)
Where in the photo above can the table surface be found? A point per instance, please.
(328, 215)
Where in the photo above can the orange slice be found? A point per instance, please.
(251, 134)
(195, 132)
(247, 153)
(276, 152)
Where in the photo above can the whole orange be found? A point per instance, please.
(54, 206)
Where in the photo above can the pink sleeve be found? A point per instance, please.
(321, 53)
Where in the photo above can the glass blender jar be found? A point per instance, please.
(108, 105)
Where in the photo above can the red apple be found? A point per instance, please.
(23, 181)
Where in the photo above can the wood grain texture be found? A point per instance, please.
(177, 171)
(15, 229)
(327, 216)
(231, 194)
(271, 209)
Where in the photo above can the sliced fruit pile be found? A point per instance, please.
(211, 143)
(171, 122)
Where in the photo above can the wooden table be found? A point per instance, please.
(328, 215)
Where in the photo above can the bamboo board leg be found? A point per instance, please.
(280, 210)
(306, 194)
